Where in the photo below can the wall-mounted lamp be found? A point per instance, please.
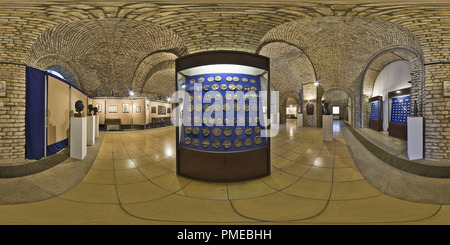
(316, 84)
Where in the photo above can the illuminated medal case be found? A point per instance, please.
(223, 131)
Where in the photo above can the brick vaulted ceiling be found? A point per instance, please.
(119, 45)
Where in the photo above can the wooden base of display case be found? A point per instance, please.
(398, 130)
(376, 125)
(223, 166)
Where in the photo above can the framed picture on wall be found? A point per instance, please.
(112, 109)
(168, 109)
(2, 88)
(125, 107)
(161, 110)
(153, 110)
(446, 88)
(99, 107)
(138, 109)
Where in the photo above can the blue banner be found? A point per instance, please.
(34, 113)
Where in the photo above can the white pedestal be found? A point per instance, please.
(78, 137)
(97, 125)
(91, 130)
(299, 120)
(327, 127)
(415, 138)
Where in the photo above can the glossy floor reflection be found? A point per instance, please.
(133, 181)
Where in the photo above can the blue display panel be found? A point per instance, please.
(375, 113)
(400, 110)
(223, 113)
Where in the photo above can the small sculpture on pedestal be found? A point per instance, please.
(79, 107)
(325, 110)
(95, 110)
(90, 109)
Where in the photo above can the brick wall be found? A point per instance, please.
(12, 113)
(437, 112)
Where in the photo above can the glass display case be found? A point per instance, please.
(223, 129)
(399, 111)
(376, 113)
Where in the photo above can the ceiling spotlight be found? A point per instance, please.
(131, 93)
(316, 83)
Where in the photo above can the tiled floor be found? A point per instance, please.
(132, 180)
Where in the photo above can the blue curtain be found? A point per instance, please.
(34, 113)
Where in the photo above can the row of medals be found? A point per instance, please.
(219, 78)
(217, 132)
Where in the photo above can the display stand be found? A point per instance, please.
(97, 125)
(399, 111)
(299, 120)
(78, 137)
(376, 113)
(91, 130)
(224, 134)
(327, 127)
(415, 138)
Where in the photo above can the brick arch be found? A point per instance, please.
(374, 66)
(106, 51)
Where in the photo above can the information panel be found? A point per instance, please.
(400, 110)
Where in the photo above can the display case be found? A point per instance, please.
(223, 129)
(376, 113)
(399, 111)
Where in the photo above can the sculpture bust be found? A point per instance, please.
(95, 110)
(79, 107)
(90, 109)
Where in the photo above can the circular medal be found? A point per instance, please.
(227, 132)
(257, 130)
(227, 144)
(187, 130)
(258, 140)
(248, 131)
(237, 143)
(216, 107)
(208, 96)
(196, 119)
(207, 107)
(254, 107)
(247, 88)
(218, 78)
(238, 131)
(216, 144)
(205, 143)
(210, 79)
(236, 79)
(205, 131)
(228, 96)
(229, 79)
(187, 141)
(223, 86)
(239, 87)
(232, 87)
(198, 87)
(215, 86)
(219, 121)
(217, 132)
(248, 142)
(205, 87)
(253, 89)
(191, 89)
(237, 108)
(242, 120)
(244, 79)
(195, 142)
(200, 80)
(195, 131)
(192, 81)
(198, 107)
(226, 107)
(198, 98)
(246, 107)
(218, 96)
(252, 80)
